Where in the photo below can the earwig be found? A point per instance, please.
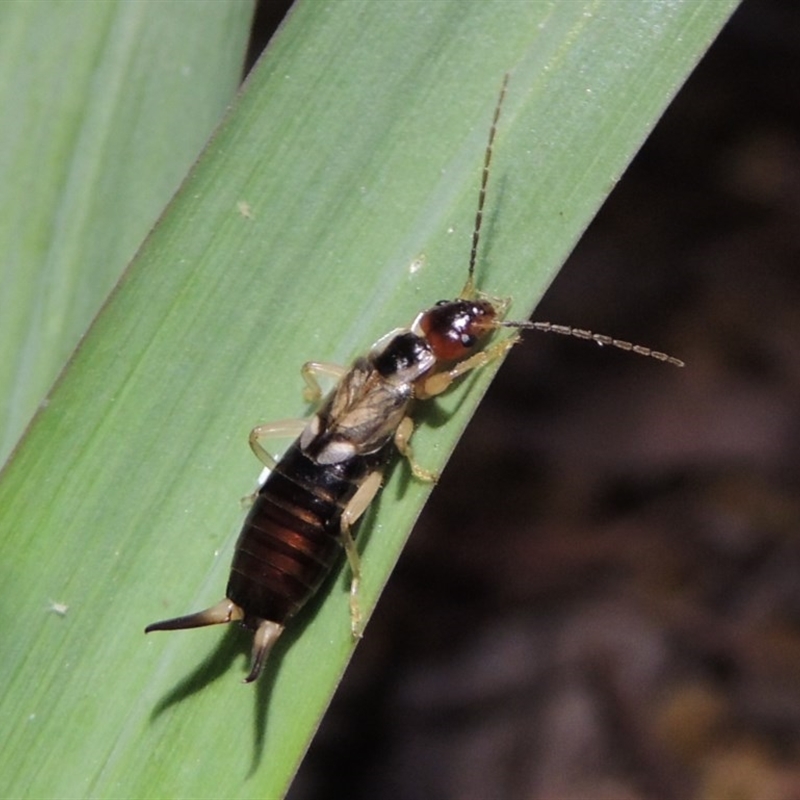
(304, 512)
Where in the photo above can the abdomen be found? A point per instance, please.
(290, 539)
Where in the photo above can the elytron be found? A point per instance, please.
(304, 513)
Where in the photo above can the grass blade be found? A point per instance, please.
(336, 201)
(106, 106)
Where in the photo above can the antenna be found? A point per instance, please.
(598, 338)
(469, 286)
(469, 292)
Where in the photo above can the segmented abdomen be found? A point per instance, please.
(291, 537)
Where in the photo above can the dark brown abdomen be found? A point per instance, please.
(290, 539)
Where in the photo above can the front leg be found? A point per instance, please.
(440, 381)
(436, 384)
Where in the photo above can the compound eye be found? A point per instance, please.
(468, 340)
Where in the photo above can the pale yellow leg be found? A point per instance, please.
(282, 429)
(402, 442)
(310, 370)
(355, 508)
(440, 381)
(292, 428)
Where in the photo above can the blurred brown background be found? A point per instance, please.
(602, 599)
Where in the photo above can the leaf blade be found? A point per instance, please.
(173, 372)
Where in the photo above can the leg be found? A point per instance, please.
(285, 428)
(292, 428)
(401, 441)
(440, 381)
(310, 370)
(355, 508)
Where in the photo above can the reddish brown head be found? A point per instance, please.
(454, 327)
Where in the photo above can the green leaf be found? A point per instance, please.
(335, 202)
(106, 105)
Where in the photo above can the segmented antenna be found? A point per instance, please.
(468, 292)
(598, 338)
(469, 286)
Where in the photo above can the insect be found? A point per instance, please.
(303, 514)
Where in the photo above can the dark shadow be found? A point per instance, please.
(235, 642)
(338, 581)
(263, 693)
(491, 213)
(216, 665)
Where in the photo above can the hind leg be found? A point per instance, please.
(352, 512)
